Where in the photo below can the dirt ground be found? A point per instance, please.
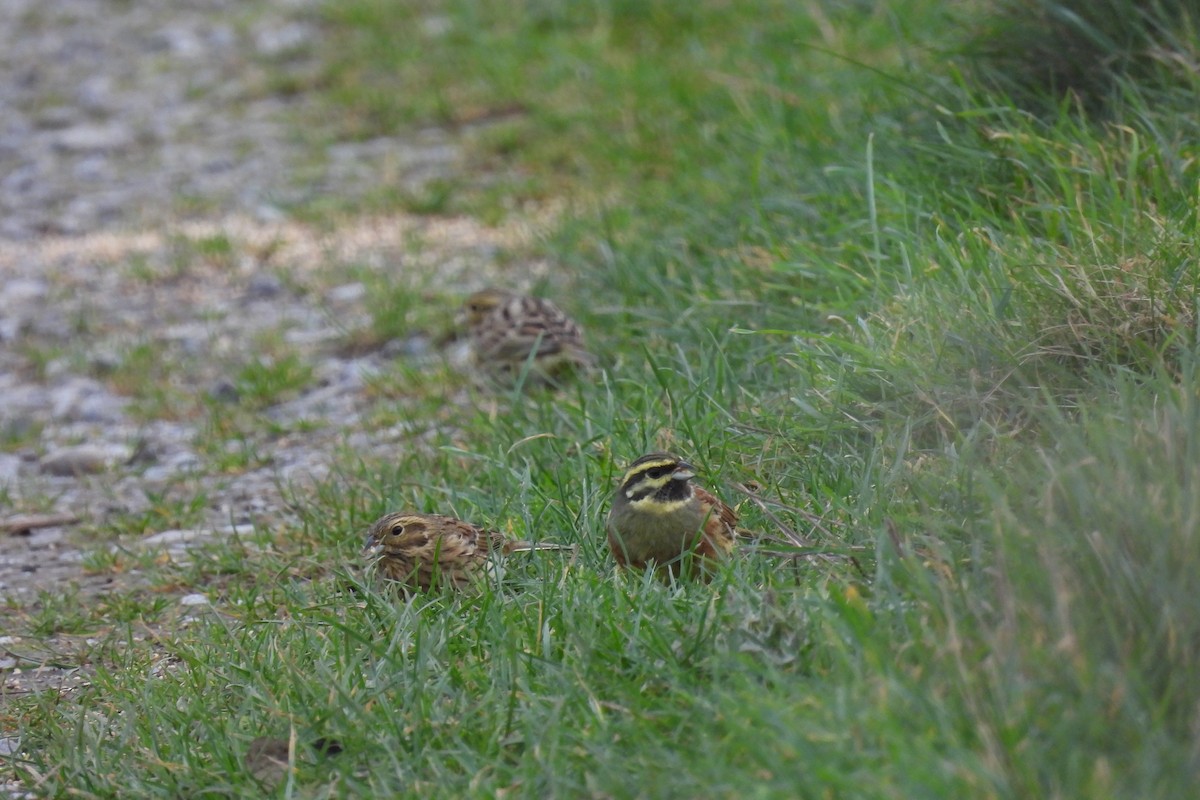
(130, 131)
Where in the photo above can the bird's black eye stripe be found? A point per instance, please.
(657, 472)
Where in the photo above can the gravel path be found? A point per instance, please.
(145, 175)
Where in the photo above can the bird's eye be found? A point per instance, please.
(657, 472)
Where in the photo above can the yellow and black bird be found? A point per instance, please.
(659, 517)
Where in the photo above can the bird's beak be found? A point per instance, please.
(683, 472)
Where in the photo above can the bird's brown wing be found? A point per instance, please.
(521, 324)
(617, 545)
(720, 526)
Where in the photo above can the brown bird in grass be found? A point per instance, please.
(508, 331)
(660, 517)
(422, 551)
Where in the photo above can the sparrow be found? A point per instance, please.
(660, 517)
(507, 331)
(422, 551)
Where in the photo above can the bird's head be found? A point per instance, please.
(394, 531)
(657, 482)
(476, 308)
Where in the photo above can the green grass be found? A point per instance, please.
(1045, 52)
(266, 381)
(814, 258)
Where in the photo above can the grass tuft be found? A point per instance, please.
(1043, 53)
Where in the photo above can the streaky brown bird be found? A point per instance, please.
(508, 331)
(423, 551)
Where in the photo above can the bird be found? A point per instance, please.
(423, 551)
(508, 331)
(660, 517)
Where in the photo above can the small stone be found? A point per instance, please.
(347, 293)
(181, 40)
(276, 41)
(10, 746)
(21, 180)
(217, 165)
(193, 338)
(10, 467)
(52, 326)
(19, 292)
(222, 37)
(176, 537)
(418, 345)
(91, 169)
(193, 600)
(104, 362)
(95, 93)
(56, 117)
(81, 460)
(224, 391)
(435, 26)
(84, 400)
(11, 328)
(263, 286)
(347, 375)
(89, 138)
(101, 408)
(265, 212)
(172, 465)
